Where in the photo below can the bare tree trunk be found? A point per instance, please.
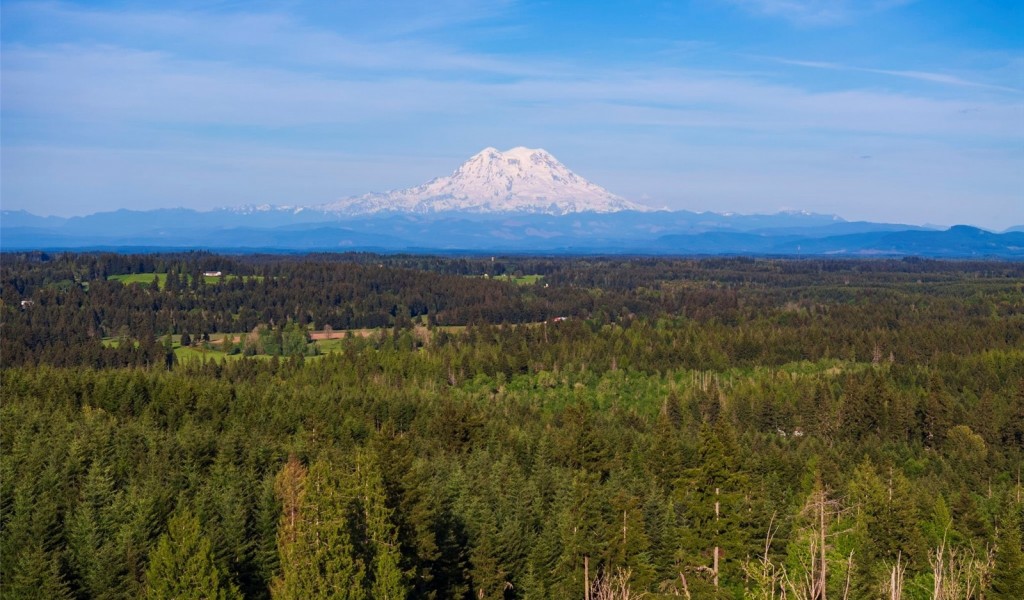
(896, 579)
(939, 570)
(849, 570)
(686, 588)
(716, 538)
(586, 578)
(824, 563)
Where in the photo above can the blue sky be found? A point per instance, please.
(887, 110)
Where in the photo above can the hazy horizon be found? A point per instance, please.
(741, 106)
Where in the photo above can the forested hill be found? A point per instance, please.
(359, 426)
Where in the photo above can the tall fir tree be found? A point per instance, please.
(100, 538)
(1008, 576)
(886, 524)
(713, 534)
(387, 578)
(182, 566)
(314, 541)
(36, 574)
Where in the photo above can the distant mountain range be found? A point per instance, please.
(521, 201)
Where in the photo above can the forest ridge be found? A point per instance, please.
(366, 426)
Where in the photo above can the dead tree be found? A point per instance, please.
(820, 512)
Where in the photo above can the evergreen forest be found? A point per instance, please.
(360, 426)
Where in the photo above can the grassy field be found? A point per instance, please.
(324, 346)
(329, 346)
(516, 279)
(143, 278)
(523, 279)
(147, 278)
(195, 353)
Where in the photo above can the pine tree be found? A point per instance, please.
(36, 574)
(96, 553)
(266, 518)
(182, 566)
(388, 581)
(1008, 578)
(314, 543)
(222, 505)
(886, 521)
(714, 535)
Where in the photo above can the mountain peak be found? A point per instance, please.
(523, 153)
(523, 180)
(518, 153)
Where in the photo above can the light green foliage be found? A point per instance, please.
(182, 566)
(143, 278)
(387, 578)
(269, 340)
(161, 278)
(314, 541)
(886, 525)
(965, 448)
(293, 340)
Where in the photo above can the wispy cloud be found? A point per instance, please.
(142, 74)
(940, 78)
(77, 87)
(280, 39)
(212, 108)
(817, 12)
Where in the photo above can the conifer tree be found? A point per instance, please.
(382, 536)
(95, 550)
(886, 522)
(314, 543)
(711, 494)
(182, 566)
(265, 523)
(36, 574)
(1008, 578)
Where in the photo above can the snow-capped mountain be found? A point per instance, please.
(520, 180)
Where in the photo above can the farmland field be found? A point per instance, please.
(147, 278)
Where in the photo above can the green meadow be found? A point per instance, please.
(147, 278)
